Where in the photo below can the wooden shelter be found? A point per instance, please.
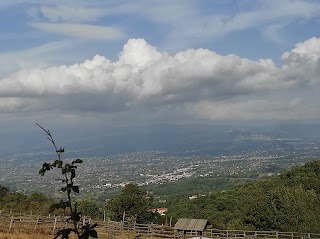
(191, 226)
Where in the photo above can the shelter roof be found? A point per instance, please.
(187, 224)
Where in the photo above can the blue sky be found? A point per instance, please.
(148, 61)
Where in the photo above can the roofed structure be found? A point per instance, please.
(191, 225)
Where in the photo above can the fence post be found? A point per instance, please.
(54, 225)
(11, 222)
(37, 222)
(123, 217)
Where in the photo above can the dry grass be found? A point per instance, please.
(19, 235)
(28, 236)
(26, 230)
(23, 236)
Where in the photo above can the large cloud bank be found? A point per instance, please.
(201, 82)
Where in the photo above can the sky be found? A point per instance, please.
(123, 62)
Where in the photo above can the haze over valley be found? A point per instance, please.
(165, 153)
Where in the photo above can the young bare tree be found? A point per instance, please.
(68, 171)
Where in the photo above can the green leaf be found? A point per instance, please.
(58, 163)
(46, 166)
(75, 189)
(94, 225)
(73, 173)
(77, 161)
(93, 233)
(76, 216)
(67, 168)
(42, 171)
(59, 205)
(53, 207)
(84, 236)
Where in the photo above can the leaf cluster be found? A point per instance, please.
(67, 168)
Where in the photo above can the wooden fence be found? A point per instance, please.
(216, 233)
(161, 231)
(154, 230)
(34, 223)
(111, 229)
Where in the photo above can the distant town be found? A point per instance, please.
(253, 155)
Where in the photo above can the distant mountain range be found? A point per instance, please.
(164, 137)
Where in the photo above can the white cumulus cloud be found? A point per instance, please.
(198, 81)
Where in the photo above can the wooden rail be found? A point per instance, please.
(33, 223)
(155, 230)
(216, 233)
(111, 229)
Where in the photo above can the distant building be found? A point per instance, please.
(193, 197)
(161, 210)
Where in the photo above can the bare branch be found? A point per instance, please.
(50, 138)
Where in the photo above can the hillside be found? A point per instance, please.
(288, 202)
(194, 186)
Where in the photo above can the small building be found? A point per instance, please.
(191, 226)
(193, 197)
(161, 210)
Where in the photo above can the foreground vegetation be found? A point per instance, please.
(288, 202)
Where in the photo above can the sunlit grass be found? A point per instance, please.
(24, 236)
(20, 235)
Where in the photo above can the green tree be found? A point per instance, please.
(89, 208)
(287, 209)
(134, 202)
(3, 191)
(15, 201)
(38, 202)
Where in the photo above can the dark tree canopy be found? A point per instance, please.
(134, 202)
(3, 191)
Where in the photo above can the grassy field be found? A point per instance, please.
(24, 236)
(20, 235)
(36, 236)
(26, 229)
